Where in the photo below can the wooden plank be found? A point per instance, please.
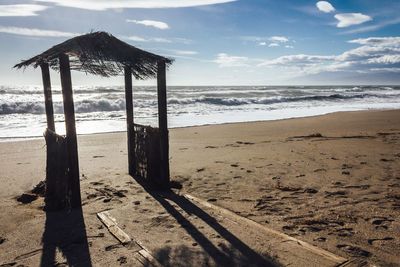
(72, 146)
(149, 258)
(48, 100)
(303, 245)
(113, 228)
(129, 120)
(143, 254)
(163, 123)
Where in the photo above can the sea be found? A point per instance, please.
(100, 109)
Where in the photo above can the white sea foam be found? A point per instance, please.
(102, 109)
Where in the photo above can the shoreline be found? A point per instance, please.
(28, 138)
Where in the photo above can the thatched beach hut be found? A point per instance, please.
(100, 53)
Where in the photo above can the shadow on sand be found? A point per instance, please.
(237, 253)
(65, 231)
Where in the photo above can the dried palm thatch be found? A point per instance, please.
(100, 53)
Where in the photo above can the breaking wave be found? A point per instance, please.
(118, 103)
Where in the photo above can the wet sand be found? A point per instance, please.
(332, 181)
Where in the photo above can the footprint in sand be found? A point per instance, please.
(96, 183)
(381, 222)
(339, 193)
(288, 188)
(235, 165)
(372, 240)
(346, 166)
(338, 184)
(122, 260)
(91, 196)
(310, 190)
(344, 232)
(353, 250)
(112, 247)
(244, 143)
(362, 187)
(232, 145)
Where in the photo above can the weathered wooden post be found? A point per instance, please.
(129, 120)
(162, 123)
(48, 100)
(52, 199)
(72, 146)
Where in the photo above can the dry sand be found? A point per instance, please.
(332, 181)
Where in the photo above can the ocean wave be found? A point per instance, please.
(109, 104)
(85, 106)
(39, 91)
(269, 100)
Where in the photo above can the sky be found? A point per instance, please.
(218, 42)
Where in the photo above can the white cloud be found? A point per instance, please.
(156, 39)
(289, 46)
(373, 53)
(374, 27)
(349, 19)
(377, 41)
(299, 60)
(225, 60)
(35, 32)
(185, 52)
(272, 41)
(117, 4)
(20, 10)
(385, 59)
(151, 23)
(383, 70)
(325, 6)
(280, 39)
(149, 40)
(136, 38)
(371, 49)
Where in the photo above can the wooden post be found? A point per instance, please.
(72, 145)
(162, 123)
(129, 120)
(48, 101)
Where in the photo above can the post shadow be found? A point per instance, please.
(223, 256)
(65, 231)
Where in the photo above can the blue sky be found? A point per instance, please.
(218, 42)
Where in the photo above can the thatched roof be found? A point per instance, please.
(100, 53)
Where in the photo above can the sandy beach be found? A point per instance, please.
(332, 181)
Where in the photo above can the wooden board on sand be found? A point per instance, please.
(290, 249)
